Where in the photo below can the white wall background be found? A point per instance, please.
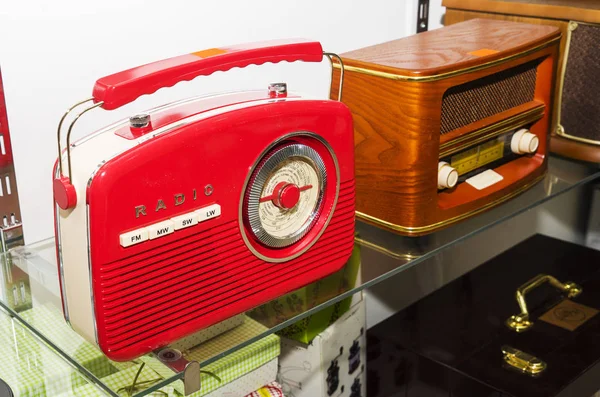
(436, 14)
(51, 53)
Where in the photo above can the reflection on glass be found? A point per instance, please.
(29, 367)
(29, 292)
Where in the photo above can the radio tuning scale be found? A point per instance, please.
(285, 195)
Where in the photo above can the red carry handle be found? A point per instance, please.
(124, 87)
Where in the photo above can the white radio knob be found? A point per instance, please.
(524, 142)
(447, 176)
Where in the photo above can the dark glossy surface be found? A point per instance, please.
(451, 340)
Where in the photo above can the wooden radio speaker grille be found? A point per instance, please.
(475, 100)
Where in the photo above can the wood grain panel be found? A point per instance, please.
(442, 50)
(578, 10)
(397, 143)
(574, 150)
(455, 16)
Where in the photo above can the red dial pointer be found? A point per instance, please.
(285, 195)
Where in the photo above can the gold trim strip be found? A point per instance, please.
(560, 131)
(453, 73)
(498, 129)
(437, 225)
(383, 250)
(561, 82)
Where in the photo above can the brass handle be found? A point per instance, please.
(521, 322)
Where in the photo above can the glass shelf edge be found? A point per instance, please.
(412, 262)
(163, 383)
(574, 179)
(430, 254)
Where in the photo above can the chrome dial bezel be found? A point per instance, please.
(266, 167)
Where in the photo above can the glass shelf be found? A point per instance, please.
(29, 290)
(29, 367)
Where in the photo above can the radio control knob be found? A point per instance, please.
(524, 142)
(447, 176)
(64, 193)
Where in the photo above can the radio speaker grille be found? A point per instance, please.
(580, 107)
(485, 97)
(150, 296)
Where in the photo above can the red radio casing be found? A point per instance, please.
(194, 154)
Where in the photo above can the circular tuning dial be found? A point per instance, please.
(524, 142)
(285, 195)
(447, 176)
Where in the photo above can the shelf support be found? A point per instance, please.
(422, 16)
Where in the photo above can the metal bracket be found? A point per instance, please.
(11, 233)
(173, 359)
(422, 16)
(191, 378)
(15, 288)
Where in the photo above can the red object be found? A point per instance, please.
(156, 292)
(150, 294)
(289, 196)
(285, 195)
(124, 87)
(162, 118)
(273, 389)
(64, 193)
(6, 157)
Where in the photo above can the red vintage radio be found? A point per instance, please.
(177, 219)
